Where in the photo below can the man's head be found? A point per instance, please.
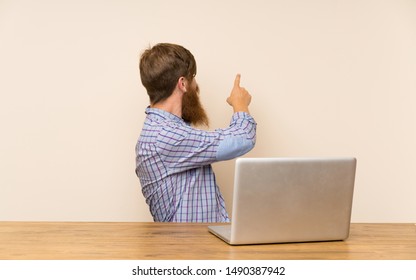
(161, 68)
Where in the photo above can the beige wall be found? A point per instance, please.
(328, 78)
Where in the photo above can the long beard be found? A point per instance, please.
(192, 109)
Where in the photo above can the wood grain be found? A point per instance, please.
(112, 241)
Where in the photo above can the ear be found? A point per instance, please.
(182, 84)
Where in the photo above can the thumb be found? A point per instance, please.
(237, 80)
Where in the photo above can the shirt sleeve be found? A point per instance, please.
(183, 147)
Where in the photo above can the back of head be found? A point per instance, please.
(160, 68)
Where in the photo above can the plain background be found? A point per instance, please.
(328, 78)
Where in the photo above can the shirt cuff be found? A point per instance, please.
(232, 147)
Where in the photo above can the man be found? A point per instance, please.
(173, 159)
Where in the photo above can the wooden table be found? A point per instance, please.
(128, 241)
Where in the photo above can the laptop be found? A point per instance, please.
(284, 200)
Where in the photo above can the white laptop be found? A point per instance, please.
(281, 200)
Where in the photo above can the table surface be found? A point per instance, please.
(176, 241)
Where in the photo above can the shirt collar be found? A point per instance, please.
(163, 114)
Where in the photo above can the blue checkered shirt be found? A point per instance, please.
(173, 163)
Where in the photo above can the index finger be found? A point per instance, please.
(237, 80)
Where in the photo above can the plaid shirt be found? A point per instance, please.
(173, 163)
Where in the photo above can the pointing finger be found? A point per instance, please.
(237, 80)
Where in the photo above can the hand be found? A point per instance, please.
(239, 98)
